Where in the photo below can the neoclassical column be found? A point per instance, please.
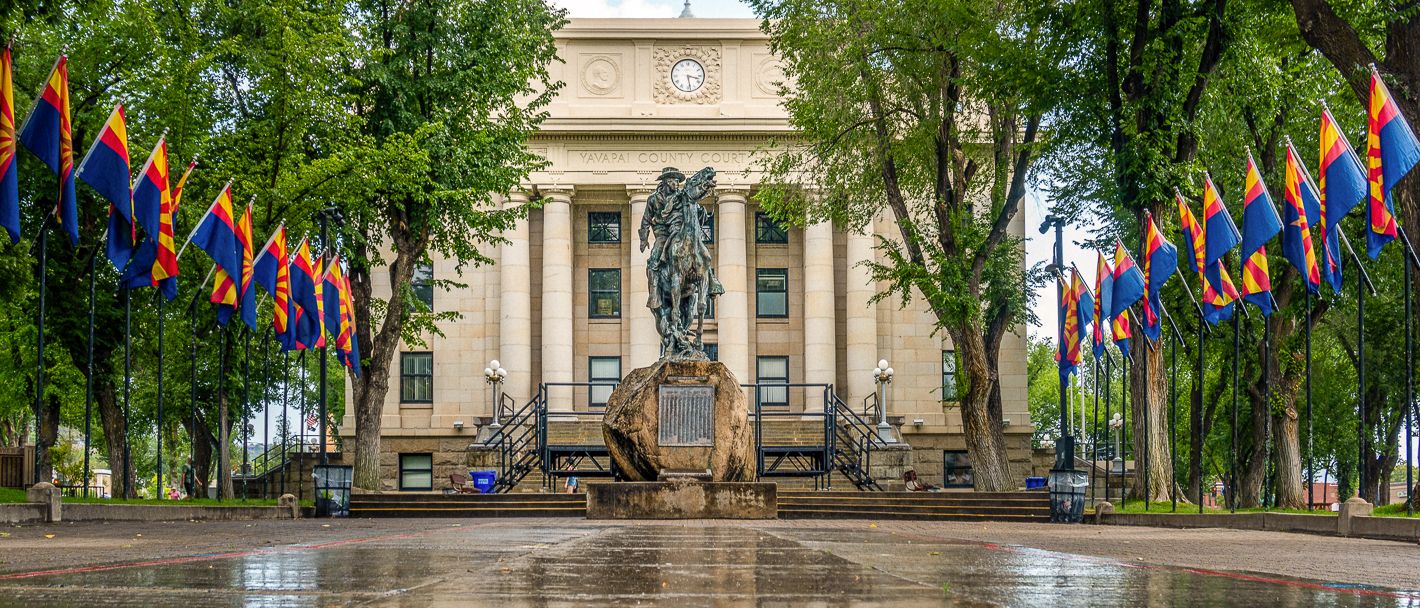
(557, 291)
(515, 305)
(820, 347)
(732, 308)
(645, 344)
(862, 317)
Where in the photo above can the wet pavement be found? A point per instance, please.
(555, 563)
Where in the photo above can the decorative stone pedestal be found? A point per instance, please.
(680, 417)
(682, 499)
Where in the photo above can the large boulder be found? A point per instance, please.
(632, 424)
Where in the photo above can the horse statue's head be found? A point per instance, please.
(699, 184)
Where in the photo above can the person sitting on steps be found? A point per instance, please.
(917, 485)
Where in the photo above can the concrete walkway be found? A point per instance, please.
(562, 562)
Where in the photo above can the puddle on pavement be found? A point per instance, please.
(666, 565)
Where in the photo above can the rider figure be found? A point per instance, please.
(659, 219)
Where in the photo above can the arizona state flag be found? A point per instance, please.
(1192, 235)
(1104, 293)
(1342, 187)
(307, 317)
(217, 235)
(1072, 331)
(332, 281)
(1391, 151)
(246, 296)
(1302, 206)
(351, 355)
(150, 195)
(9, 168)
(105, 168)
(1260, 224)
(1160, 262)
(47, 134)
(269, 270)
(1128, 281)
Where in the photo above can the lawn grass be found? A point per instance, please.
(1135, 506)
(16, 495)
(1396, 510)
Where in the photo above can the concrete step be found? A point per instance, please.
(946, 506)
(468, 505)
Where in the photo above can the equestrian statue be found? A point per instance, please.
(680, 277)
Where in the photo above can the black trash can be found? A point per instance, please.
(332, 483)
(1067, 495)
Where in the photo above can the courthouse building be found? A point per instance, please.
(565, 300)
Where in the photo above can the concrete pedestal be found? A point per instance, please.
(682, 499)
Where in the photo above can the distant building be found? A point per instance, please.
(565, 301)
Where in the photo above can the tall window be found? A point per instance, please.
(772, 370)
(604, 287)
(423, 285)
(956, 469)
(771, 291)
(712, 350)
(604, 227)
(416, 472)
(949, 375)
(769, 232)
(603, 369)
(416, 377)
(707, 227)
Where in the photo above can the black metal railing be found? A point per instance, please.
(855, 440)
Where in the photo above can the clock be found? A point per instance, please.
(687, 75)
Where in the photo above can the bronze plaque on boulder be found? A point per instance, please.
(686, 415)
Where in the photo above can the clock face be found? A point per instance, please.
(687, 75)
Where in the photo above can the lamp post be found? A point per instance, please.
(882, 374)
(494, 375)
(1117, 424)
(1065, 452)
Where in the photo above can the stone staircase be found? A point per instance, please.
(1031, 506)
(408, 504)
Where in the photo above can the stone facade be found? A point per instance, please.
(618, 121)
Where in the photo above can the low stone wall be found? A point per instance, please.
(1358, 524)
(102, 512)
(22, 513)
(683, 500)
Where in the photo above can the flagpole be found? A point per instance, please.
(1108, 374)
(1095, 418)
(1307, 332)
(1124, 404)
(161, 305)
(246, 403)
(192, 400)
(266, 415)
(1173, 408)
(325, 350)
(1409, 399)
(127, 388)
(39, 348)
(1232, 495)
(89, 380)
(285, 424)
(1267, 407)
(301, 442)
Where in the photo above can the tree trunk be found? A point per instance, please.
(115, 435)
(202, 455)
(985, 442)
(1254, 459)
(1151, 441)
(1289, 484)
(224, 426)
(368, 391)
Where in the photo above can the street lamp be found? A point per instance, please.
(494, 375)
(1047, 442)
(1117, 424)
(882, 374)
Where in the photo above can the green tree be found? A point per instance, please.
(448, 93)
(932, 111)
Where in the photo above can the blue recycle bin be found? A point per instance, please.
(1035, 483)
(484, 480)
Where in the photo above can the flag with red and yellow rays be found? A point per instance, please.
(47, 133)
(165, 266)
(9, 167)
(1341, 189)
(1260, 224)
(105, 169)
(1302, 207)
(1391, 151)
(1220, 235)
(1104, 294)
(351, 358)
(216, 234)
(246, 296)
(1128, 288)
(270, 271)
(1068, 354)
(305, 316)
(1160, 262)
(150, 194)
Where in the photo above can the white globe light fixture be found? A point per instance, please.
(882, 374)
(494, 375)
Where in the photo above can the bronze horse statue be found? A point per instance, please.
(687, 285)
